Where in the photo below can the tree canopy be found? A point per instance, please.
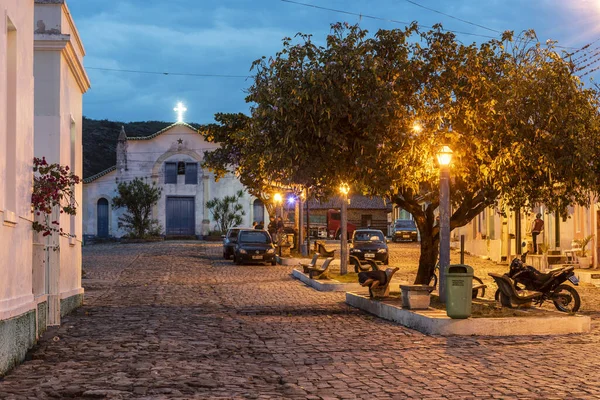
(523, 128)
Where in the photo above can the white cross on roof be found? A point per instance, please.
(180, 109)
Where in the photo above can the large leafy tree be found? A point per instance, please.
(523, 128)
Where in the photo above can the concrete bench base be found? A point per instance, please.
(329, 285)
(436, 322)
(592, 277)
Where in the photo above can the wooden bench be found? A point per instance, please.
(378, 282)
(323, 251)
(320, 272)
(312, 264)
(509, 295)
(365, 265)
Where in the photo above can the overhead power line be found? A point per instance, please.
(452, 16)
(361, 15)
(395, 21)
(169, 73)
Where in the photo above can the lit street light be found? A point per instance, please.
(344, 190)
(444, 157)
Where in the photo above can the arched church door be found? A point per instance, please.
(259, 211)
(102, 211)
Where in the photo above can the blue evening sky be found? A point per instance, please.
(224, 37)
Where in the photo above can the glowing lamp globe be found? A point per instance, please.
(344, 188)
(444, 156)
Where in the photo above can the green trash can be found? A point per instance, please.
(459, 290)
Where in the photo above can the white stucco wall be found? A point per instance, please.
(16, 294)
(146, 159)
(60, 82)
(580, 222)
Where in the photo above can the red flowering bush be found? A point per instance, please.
(53, 185)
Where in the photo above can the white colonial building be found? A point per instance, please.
(42, 83)
(171, 159)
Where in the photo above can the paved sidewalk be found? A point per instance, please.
(174, 321)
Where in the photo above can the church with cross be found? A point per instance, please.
(171, 159)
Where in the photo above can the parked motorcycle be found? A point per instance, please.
(550, 284)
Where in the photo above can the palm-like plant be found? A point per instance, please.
(583, 243)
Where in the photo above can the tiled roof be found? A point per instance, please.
(357, 202)
(100, 174)
(163, 131)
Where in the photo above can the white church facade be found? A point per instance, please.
(171, 159)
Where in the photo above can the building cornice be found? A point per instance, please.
(63, 43)
(73, 29)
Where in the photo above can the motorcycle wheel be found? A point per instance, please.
(566, 298)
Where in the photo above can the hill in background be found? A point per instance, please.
(100, 140)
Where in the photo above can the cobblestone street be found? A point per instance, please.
(173, 320)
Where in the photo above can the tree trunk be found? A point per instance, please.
(428, 229)
(429, 247)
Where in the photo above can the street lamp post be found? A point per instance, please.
(344, 189)
(444, 157)
(277, 199)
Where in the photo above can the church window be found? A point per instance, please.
(191, 174)
(170, 172)
(180, 168)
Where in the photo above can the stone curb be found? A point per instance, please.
(330, 285)
(436, 322)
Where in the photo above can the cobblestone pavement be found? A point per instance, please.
(174, 321)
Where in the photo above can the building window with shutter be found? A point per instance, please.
(191, 173)
(171, 172)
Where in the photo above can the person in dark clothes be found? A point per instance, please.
(536, 229)
(260, 225)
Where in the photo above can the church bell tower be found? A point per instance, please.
(122, 151)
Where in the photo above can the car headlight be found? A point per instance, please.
(382, 251)
(242, 251)
(271, 251)
(355, 251)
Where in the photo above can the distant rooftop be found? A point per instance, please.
(357, 201)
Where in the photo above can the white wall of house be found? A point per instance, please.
(146, 158)
(60, 82)
(492, 236)
(16, 155)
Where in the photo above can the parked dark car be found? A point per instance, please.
(229, 242)
(370, 244)
(254, 246)
(404, 229)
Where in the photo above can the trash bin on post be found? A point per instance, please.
(459, 288)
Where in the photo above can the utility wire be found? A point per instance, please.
(169, 73)
(361, 15)
(451, 16)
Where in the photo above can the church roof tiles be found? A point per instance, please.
(163, 131)
(100, 174)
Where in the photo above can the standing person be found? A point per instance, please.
(272, 228)
(254, 225)
(260, 225)
(280, 227)
(536, 228)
